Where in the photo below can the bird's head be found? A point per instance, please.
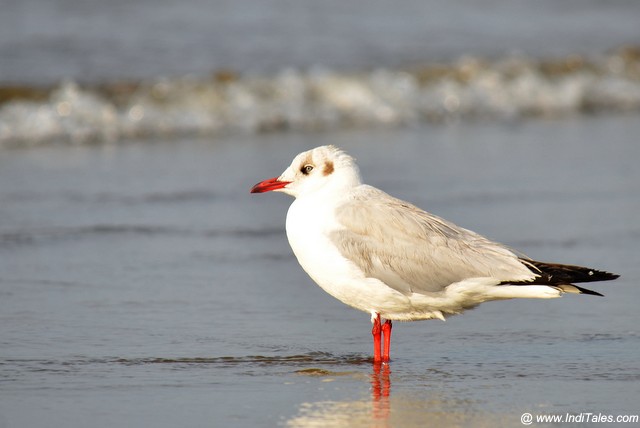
(322, 168)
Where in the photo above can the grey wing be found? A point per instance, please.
(414, 251)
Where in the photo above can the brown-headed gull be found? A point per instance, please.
(395, 261)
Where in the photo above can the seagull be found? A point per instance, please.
(391, 259)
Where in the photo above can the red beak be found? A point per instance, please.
(269, 185)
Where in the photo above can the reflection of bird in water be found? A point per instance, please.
(403, 408)
(380, 390)
(395, 261)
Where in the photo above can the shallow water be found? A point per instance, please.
(141, 284)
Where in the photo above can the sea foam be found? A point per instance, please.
(321, 99)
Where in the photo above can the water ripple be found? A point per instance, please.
(46, 234)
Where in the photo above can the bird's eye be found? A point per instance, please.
(306, 169)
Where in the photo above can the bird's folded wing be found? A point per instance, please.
(414, 251)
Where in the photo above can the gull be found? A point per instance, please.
(391, 259)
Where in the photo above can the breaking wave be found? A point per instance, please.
(512, 87)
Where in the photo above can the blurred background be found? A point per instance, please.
(142, 285)
(193, 67)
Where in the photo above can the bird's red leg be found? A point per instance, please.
(376, 331)
(386, 330)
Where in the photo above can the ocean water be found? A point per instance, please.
(142, 285)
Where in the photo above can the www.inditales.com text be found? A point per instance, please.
(586, 417)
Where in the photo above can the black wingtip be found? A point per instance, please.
(601, 275)
(563, 277)
(554, 273)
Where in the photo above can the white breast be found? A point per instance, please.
(309, 224)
